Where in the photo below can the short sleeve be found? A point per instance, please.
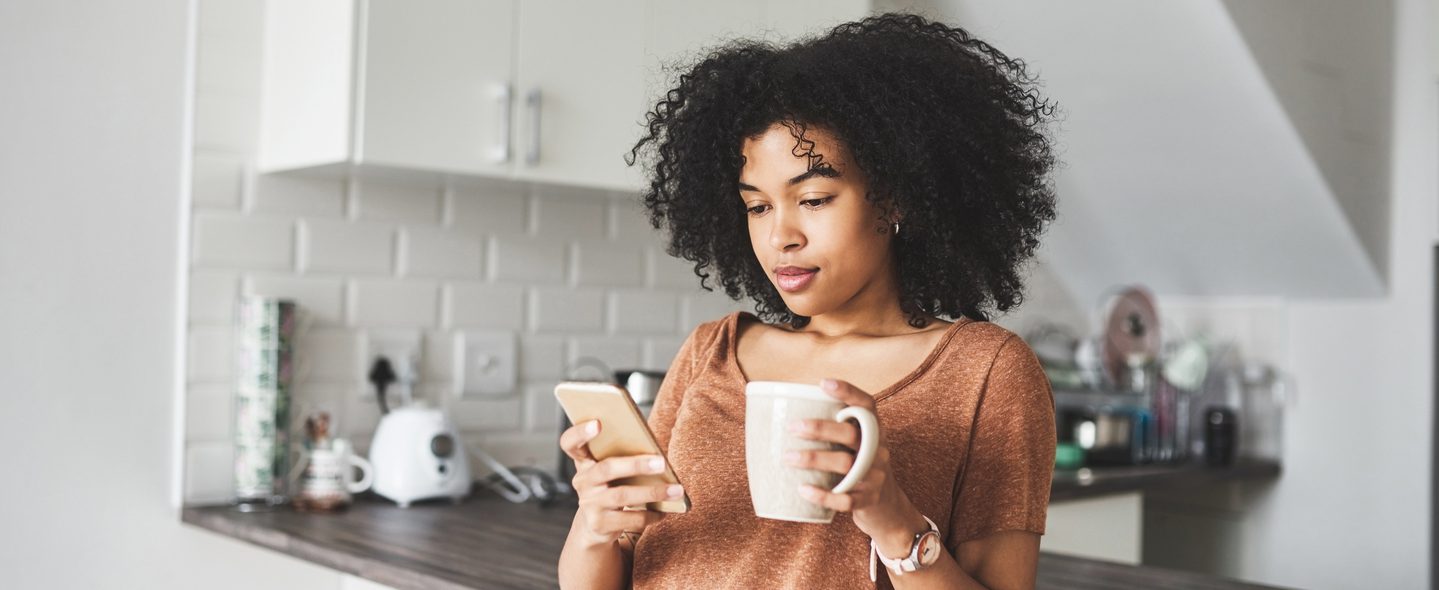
(1005, 481)
(677, 379)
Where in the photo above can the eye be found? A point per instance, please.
(817, 202)
(756, 210)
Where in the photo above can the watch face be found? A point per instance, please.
(929, 547)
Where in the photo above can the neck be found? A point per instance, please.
(873, 311)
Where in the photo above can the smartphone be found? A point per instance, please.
(623, 433)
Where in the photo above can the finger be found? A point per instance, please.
(847, 393)
(614, 522)
(575, 440)
(832, 461)
(622, 496)
(845, 433)
(833, 501)
(614, 468)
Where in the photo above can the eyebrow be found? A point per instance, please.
(824, 171)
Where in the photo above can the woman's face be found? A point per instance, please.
(819, 239)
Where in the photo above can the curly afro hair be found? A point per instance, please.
(947, 129)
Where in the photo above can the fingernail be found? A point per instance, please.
(675, 491)
(593, 427)
(791, 456)
(806, 491)
(796, 426)
(657, 465)
(828, 384)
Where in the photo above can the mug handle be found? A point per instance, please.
(868, 445)
(356, 487)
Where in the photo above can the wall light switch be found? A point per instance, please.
(485, 363)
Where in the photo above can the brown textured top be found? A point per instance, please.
(971, 434)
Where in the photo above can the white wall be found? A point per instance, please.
(92, 158)
(1354, 507)
(1329, 63)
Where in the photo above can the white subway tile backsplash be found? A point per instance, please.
(698, 309)
(286, 195)
(615, 352)
(629, 222)
(600, 263)
(527, 259)
(578, 214)
(322, 298)
(361, 413)
(210, 412)
(542, 412)
(432, 252)
(393, 202)
(659, 353)
(212, 296)
(217, 180)
(542, 357)
(437, 366)
(209, 472)
(332, 355)
(211, 353)
(333, 246)
(230, 240)
(565, 310)
(388, 303)
(482, 305)
(635, 311)
(490, 413)
(668, 272)
(536, 449)
(489, 211)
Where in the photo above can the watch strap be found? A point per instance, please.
(901, 565)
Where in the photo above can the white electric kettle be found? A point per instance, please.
(418, 454)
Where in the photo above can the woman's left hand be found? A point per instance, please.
(880, 508)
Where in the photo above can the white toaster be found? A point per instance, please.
(417, 454)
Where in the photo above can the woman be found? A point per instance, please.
(857, 187)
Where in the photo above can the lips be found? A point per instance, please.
(794, 278)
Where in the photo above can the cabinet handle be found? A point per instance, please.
(532, 102)
(501, 153)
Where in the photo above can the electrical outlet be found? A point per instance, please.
(402, 347)
(485, 363)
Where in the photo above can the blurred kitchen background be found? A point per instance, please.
(1247, 223)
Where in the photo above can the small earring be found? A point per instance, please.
(896, 228)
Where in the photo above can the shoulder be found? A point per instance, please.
(710, 336)
(1001, 354)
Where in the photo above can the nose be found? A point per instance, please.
(784, 233)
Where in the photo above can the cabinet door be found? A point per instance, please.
(585, 60)
(431, 77)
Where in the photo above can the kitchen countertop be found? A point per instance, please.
(1075, 484)
(487, 542)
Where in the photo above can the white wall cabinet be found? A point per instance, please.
(551, 91)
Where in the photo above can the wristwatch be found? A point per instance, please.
(923, 552)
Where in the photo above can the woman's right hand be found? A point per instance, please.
(601, 512)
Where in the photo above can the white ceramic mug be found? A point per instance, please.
(770, 407)
(330, 472)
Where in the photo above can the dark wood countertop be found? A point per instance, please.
(1075, 484)
(487, 542)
